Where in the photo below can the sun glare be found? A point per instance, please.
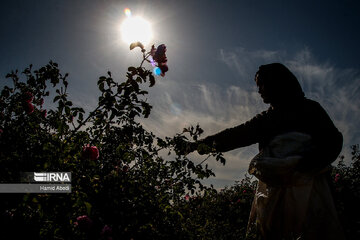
(136, 29)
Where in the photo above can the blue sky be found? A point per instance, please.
(214, 50)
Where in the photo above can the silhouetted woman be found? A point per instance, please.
(297, 143)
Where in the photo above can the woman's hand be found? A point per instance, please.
(191, 147)
(185, 147)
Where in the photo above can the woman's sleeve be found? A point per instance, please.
(240, 136)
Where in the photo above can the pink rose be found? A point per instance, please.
(164, 68)
(125, 168)
(29, 108)
(90, 152)
(187, 197)
(159, 55)
(241, 201)
(106, 232)
(28, 97)
(84, 222)
(337, 177)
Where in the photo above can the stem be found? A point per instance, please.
(102, 131)
(144, 58)
(73, 125)
(205, 159)
(90, 115)
(83, 122)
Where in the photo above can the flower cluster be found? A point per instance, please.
(28, 98)
(28, 105)
(159, 55)
(156, 56)
(85, 224)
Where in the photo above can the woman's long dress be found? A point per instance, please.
(290, 204)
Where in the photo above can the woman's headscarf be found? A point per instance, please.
(281, 84)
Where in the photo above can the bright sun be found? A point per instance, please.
(136, 29)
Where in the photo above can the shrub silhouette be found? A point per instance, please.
(120, 178)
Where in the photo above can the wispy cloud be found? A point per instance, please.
(336, 89)
(217, 108)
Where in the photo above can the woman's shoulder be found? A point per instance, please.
(312, 106)
(316, 115)
(311, 102)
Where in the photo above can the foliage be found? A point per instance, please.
(346, 189)
(218, 214)
(120, 178)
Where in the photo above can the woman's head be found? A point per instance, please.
(277, 85)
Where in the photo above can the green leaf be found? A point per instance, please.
(135, 85)
(101, 79)
(88, 207)
(56, 98)
(221, 159)
(101, 86)
(132, 69)
(139, 79)
(67, 110)
(152, 80)
(5, 93)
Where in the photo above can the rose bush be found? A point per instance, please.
(120, 178)
(346, 190)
